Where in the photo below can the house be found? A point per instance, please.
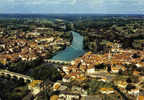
(54, 97)
(83, 63)
(74, 75)
(136, 73)
(115, 69)
(107, 90)
(141, 64)
(73, 62)
(76, 89)
(41, 47)
(24, 58)
(11, 50)
(83, 68)
(56, 86)
(34, 34)
(140, 98)
(2, 46)
(32, 57)
(66, 78)
(69, 96)
(63, 87)
(103, 79)
(122, 84)
(51, 39)
(81, 77)
(91, 70)
(81, 60)
(92, 97)
(133, 92)
(65, 69)
(34, 86)
(3, 61)
(123, 68)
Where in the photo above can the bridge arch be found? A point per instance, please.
(15, 76)
(8, 76)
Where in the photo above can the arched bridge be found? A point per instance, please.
(59, 62)
(16, 75)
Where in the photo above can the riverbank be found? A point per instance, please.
(69, 38)
(97, 33)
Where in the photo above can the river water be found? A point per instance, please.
(73, 51)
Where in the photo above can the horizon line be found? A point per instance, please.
(73, 13)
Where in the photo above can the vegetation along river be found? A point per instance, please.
(73, 51)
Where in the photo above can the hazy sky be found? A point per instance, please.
(73, 6)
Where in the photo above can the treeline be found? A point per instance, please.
(127, 31)
(16, 89)
(36, 69)
(12, 89)
(30, 24)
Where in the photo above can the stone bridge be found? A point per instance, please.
(15, 75)
(59, 62)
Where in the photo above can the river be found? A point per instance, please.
(73, 51)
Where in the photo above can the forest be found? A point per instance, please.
(128, 31)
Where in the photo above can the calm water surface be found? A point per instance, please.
(73, 51)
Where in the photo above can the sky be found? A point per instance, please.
(73, 6)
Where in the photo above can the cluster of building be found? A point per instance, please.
(106, 67)
(90, 62)
(29, 46)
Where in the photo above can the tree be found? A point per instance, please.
(129, 80)
(130, 86)
(136, 55)
(43, 72)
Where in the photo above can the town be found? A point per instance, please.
(103, 66)
(94, 75)
(31, 44)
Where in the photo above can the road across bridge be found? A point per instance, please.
(59, 62)
(17, 75)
